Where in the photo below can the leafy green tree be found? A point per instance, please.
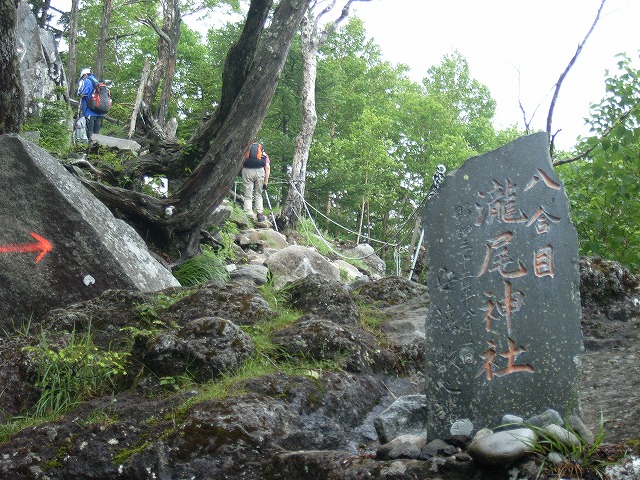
(604, 186)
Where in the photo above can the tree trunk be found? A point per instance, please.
(252, 76)
(237, 67)
(102, 41)
(312, 40)
(73, 49)
(136, 106)
(165, 67)
(11, 94)
(292, 206)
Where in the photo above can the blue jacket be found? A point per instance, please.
(85, 90)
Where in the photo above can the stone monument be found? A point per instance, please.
(503, 328)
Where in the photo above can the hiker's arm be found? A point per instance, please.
(267, 171)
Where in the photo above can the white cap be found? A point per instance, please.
(85, 71)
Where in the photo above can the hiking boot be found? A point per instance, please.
(261, 218)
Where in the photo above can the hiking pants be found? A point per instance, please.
(253, 180)
(93, 125)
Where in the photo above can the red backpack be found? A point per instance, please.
(100, 99)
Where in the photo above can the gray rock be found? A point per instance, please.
(562, 435)
(239, 302)
(511, 419)
(348, 273)
(257, 274)
(437, 447)
(87, 252)
(503, 448)
(483, 432)
(326, 298)
(555, 458)
(407, 415)
(353, 349)
(392, 290)
(295, 263)
(261, 239)
(368, 256)
(549, 417)
(404, 446)
(117, 143)
(41, 67)
(578, 426)
(204, 348)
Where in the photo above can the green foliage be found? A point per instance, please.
(150, 311)
(203, 268)
(578, 458)
(306, 229)
(604, 190)
(53, 124)
(74, 372)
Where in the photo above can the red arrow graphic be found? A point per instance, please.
(41, 246)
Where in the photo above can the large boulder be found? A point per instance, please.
(59, 244)
(205, 349)
(348, 347)
(374, 264)
(41, 69)
(325, 298)
(295, 262)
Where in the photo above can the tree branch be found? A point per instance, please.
(565, 73)
(607, 132)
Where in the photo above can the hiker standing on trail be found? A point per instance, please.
(255, 177)
(86, 84)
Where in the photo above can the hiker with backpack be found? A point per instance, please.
(255, 177)
(86, 89)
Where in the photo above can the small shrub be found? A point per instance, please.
(578, 459)
(75, 372)
(53, 125)
(202, 269)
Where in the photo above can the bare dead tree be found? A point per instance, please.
(313, 37)
(564, 75)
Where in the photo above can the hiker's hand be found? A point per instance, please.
(264, 187)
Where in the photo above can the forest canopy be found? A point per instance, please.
(379, 135)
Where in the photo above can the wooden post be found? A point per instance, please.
(136, 107)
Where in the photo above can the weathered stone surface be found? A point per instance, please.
(325, 298)
(503, 280)
(117, 143)
(269, 427)
(355, 350)
(392, 290)
(404, 446)
(503, 448)
(562, 435)
(261, 239)
(407, 415)
(41, 69)
(256, 274)
(204, 348)
(239, 302)
(348, 272)
(296, 262)
(549, 417)
(368, 256)
(89, 251)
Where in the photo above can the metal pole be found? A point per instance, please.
(416, 253)
(273, 217)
